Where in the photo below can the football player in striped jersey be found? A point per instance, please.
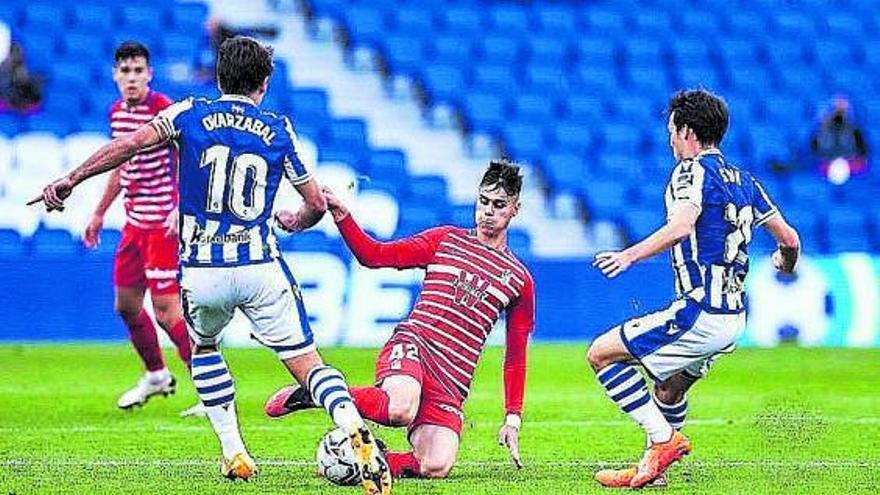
(424, 371)
(712, 206)
(233, 157)
(146, 258)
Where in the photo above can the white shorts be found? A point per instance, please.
(681, 338)
(266, 293)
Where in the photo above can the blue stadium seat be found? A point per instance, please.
(549, 79)
(851, 80)
(92, 16)
(785, 53)
(443, 82)
(795, 26)
(428, 189)
(689, 52)
(499, 49)
(309, 105)
(137, 16)
(649, 82)
(414, 219)
(750, 80)
(597, 81)
(509, 18)
(848, 231)
(652, 23)
(565, 172)
(572, 137)
(538, 107)
(745, 23)
(453, 50)
(46, 17)
(520, 242)
(348, 134)
(11, 14)
(844, 26)
(704, 76)
(404, 54)
(622, 138)
(585, 109)
(697, 23)
(523, 140)
(462, 20)
(595, 52)
(109, 241)
(387, 163)
(11, 124)
(557, 20)
(548, 50)
(769, 142)
(178, 48)
(58, 124)
(413, 20)
(803, 83)
(188, 16)
(85, 47)
(601, 21)
(637, 109)
(641, 223)
(737, 52)
(366, 25)
(833, 54)
(484, 112)
(643, 53)
(494, 78)
(462, 216)
(607, 199)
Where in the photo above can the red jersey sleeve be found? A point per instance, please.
(411, 252)
(160, 102)
(520, 323)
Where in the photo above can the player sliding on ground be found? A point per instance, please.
(233, 157)
(424, 372)
(711, 208)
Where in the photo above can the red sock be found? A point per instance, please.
(403, 465)
(180, 337)
(372, 403)
(143, 336)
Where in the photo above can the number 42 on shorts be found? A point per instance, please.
(401, 351)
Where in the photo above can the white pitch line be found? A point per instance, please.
(810, 464)
(292, 425)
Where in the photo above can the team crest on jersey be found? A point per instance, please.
(237, 109)
(506, 275)
(470, 289)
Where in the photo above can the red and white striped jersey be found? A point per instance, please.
(467, 287)
(148, 179)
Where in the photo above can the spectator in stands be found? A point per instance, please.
(20, 90)
(838, 145)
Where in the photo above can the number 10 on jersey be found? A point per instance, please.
(246, 203)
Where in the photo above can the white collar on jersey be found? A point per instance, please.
(240, 98)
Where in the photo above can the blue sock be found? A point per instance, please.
(627, 388)
(676, 413)
(328, 389)
(217, 392)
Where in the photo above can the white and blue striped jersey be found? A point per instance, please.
(710, 265)
(232, 159)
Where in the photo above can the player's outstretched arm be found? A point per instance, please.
(411, 252)
(786, 256)
(109, 156)
(678, 226)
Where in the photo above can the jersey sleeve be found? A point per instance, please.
(296, 171)
(169, 122)
(520, 324)
(416, 251)
(686, 185)
(763, 206)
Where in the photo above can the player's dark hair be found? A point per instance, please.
(504, 174)
(242, 65)
(703, 112)
(131, 49)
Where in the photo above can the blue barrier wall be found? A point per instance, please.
(836, 300)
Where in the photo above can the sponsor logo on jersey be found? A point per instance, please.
(469, 289)
(200, 237)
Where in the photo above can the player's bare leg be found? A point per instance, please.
(624, 385)
(327, 388)
(129, 303)
(435, 449)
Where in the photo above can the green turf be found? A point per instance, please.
(765, 421)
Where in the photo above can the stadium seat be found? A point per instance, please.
(404, 54)
(585, 109)
(643, 53)
(46, 17)
(509, 18)
(654, 23)
(11, 244)
(188, 16)
(643, 222)
(572, 137)
(595, 52)
(520, 242)
(414, 219)
(462, 20)
(548, 50)
(695, 22)
(443, 83)
(596, 81)
(428, 189)
(484, 112)
(690, 52)
(606, 199)
(412, 20)
(523, 140)
(453, 50)
(137, 16)
(499, 49)
(621, 138)
(308, 104)
(462, 216)
(548, 79)
(537, 107)
(557, 20)
(350, 134)
(565, 171)
(92, 16)
(365, 25)
(54, 243)
(494, 78)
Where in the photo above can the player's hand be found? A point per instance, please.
(781, 263)
(612, 263)
(286, 220)
(508, 437)
(92, 235)
(337, 209)
(54, 194)
(171, 223)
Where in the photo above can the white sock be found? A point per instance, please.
(628, 389)
(158, 376)
(217, 392)
(328, 388)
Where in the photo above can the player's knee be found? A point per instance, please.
(128, 312)
(167, 317)
(596, 358)
(402, 413)
(436, 468)
(668, 394)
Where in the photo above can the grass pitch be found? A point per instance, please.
(765, 421)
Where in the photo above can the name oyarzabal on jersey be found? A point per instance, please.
(233, 157)
(711, 264)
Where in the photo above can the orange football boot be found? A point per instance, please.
(659, 457)
(615, 478)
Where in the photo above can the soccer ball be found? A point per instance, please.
(335, 458)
